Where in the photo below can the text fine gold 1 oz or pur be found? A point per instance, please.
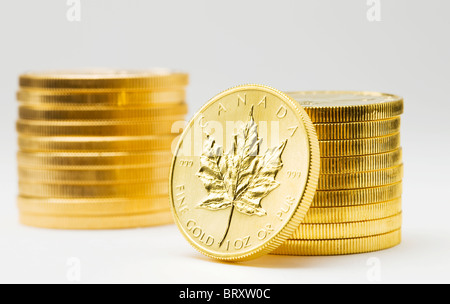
(92, 206)
(347, 106)
(97, 144)
(348, 230)
(354, 164)
(356, 197)
(97, 222)
(121, 99)
(93, 160)
(247, 189)
(340, 246)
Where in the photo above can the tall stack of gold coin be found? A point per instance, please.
(357, 206)
(95, 147)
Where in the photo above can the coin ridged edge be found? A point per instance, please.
(357, 130)
(348, 230)
(360, 163)
(355, 147)
(340, 247)
(356, 197)
(358, 180)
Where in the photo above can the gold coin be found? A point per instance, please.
(93, 176)
(356, 130)
(245, 202)
(348, 230)
(97, 222)
(375, 145)
(93, 191)
(356, 197)
(103, 80)
(346, 106)
(121, 99)
(98, 128)
(340, 247)
(353, 164)
(360, 179)
(92, 160)
(173, 113)
(359, 213)
(92, 206)
(97, 144)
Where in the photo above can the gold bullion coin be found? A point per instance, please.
(357, 197)
(353, 213)
(64, 113)
(93, 176)
(103, 80)
(40, 190)
(92, 206)
(356, 130)
(360, 179)
(355, 147)
(97, 222)
(348, 230)
(353, 164)
(93, 160)
(347, 106)
(97, 144)
(96, 128)
(121, 99)
(340, 246)
(238, 190)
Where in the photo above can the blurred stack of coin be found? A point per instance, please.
(95, 147)
(357, 205)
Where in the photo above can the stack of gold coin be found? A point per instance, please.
(357, 205)
(95, 147)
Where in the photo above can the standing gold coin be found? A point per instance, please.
(238, 191)
(97, 144)
(348, 230)
(360, 179)
(340, 246)
(346, 106)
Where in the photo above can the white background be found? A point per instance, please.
(290, 45)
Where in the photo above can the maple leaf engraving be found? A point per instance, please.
(241, 178)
